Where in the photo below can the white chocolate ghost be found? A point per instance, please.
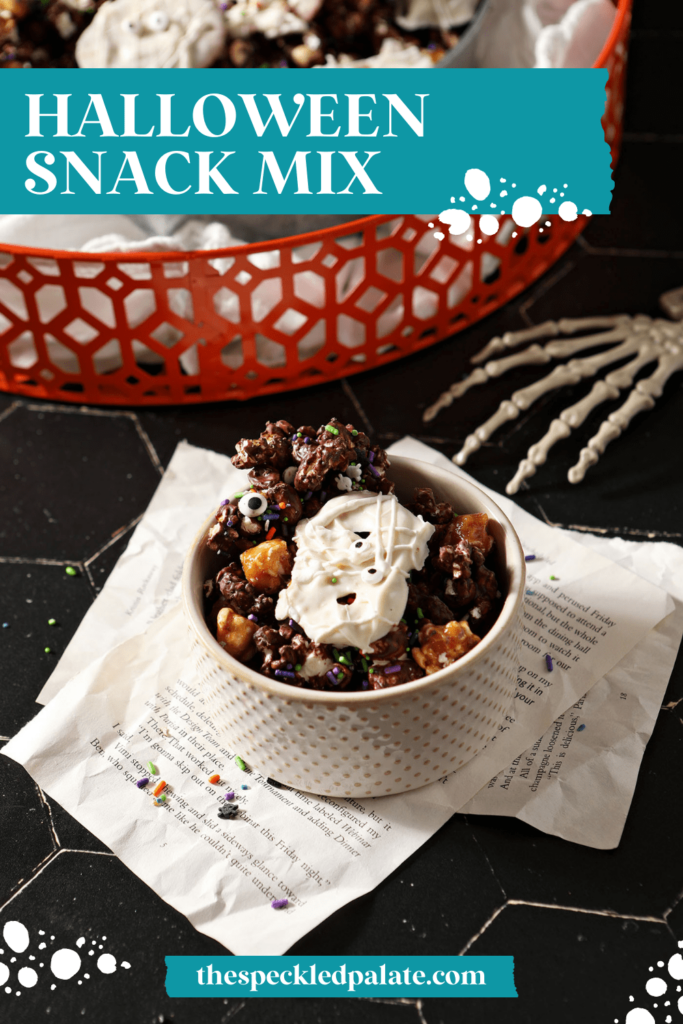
(152, 34)
(360, 544)
(271, 17)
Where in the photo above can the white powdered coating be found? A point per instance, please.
(152, 34)
(374, 568)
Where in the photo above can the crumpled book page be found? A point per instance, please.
(124, 694)
(577, 780)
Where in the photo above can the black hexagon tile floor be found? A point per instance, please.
(584, 926)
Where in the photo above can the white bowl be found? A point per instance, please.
(372, 742)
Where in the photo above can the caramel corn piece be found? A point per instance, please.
(266, 565)
(442, 645)
(235, 634)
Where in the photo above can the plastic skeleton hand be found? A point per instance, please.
(647, 340)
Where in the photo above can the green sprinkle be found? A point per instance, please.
(554, 577)
(365, 664)
(297, 668)
(334, 579)
(345, 661)
(331, 430)
(354, 433)
(152, 768)
(407, 650)
(335, 654)
(299, 434)
(286, 519)
(404, 622)
(236, 497)
(161, 799)
(52, 622)
(240, 764)
(420, 613)
(48, 650)
(70, 571)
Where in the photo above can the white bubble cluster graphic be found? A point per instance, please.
(658, 987)
(65, 963)
(526, 210)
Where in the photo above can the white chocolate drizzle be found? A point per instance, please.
(362, 544)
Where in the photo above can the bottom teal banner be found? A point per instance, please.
(339, 977)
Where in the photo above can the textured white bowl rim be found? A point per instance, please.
(285, 691)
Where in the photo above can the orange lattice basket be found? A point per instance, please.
(157, 328)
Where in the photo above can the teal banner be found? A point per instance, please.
(341, 977)
(305, 141)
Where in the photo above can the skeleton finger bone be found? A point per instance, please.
(569, 373)
(641, 398)
(534, 355)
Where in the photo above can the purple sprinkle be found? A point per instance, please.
(549, 663)
(336, 670)
(230, 522)
(252, 618)
(271, 515)
(581, 727)
(392, 668)
(307, 440)
(332, 678)
(530, 558)
(373, 471)
(289, 666)
(365, 684)
(226, 501)
(230, 795)
(279, 904)
(292, 623)
(371, 456)
(281, 674)
(308, 496)
(141, 783)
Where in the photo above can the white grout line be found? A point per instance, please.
(583, 910)
(43, 864)
(9, 410)
(51, 823)
(147, 442)
(351, 395)
(21, 560)
(113, 539)
(483, 928)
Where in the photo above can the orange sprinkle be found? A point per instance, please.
(271, 533)
(283, 504)
(159, 788)
(214, 779)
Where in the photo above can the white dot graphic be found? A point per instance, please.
(477, 183)
(15, 935)
(458, 221)
(80, 942)
(639, 1016)
(526, 211)
(568, 211)
(680, 1005)
(4, 973)
(655, 987)
(106, 963)
(488, 224)
(542, 189)
(27, 977)
(65, 963)
(676, 966)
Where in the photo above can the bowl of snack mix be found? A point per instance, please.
(354, 618)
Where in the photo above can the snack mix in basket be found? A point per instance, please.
(328, 581)
(227, 33)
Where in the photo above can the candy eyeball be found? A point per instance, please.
(289, 474)
(130, 26)
(157, 21)
(252, 504)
